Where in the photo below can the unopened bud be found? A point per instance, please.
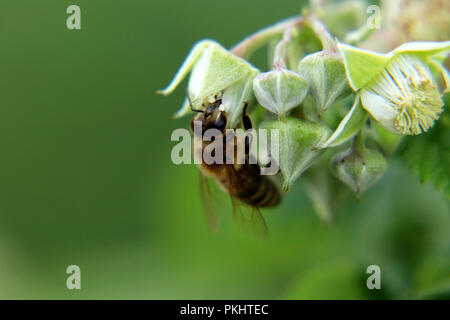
(325, 73)
(358, 169)
(280, 90)
(299, 145)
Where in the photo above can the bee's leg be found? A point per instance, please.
(246, 119)
(247, 126)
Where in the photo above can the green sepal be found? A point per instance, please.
(298, 145)
(235, 96)
(213, 70)
(363, 65)
(326, 75)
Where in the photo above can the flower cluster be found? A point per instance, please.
(322, 94)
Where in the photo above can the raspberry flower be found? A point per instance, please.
(398, 89)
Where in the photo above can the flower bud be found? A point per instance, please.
(298, 146)
(325, 73)
(280, 90)
(358, 168)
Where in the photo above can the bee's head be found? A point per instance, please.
(213, 117)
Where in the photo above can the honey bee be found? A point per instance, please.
(243, 182)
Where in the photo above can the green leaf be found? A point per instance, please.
(333, 279)
(428, 155)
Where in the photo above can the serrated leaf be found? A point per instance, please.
(428, 155)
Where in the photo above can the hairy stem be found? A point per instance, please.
(356, 36)
(249, 45)
(322, 33)
(358, 142)
(280, 50)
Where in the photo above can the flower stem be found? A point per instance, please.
(322, 33)
(357, 36)
(358, 143)
(280, 50)
(249, 45)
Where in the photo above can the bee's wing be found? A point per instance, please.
(248, 218)
(208, 202)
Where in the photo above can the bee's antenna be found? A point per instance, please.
(190, 102)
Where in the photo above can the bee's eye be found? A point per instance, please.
(221, 122)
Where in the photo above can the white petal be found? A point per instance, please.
(379, 108)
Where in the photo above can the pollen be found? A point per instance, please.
(211, 99)
(408, 88)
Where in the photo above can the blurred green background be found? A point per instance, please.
(86, 175)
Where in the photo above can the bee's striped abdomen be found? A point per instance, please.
(255, 189)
